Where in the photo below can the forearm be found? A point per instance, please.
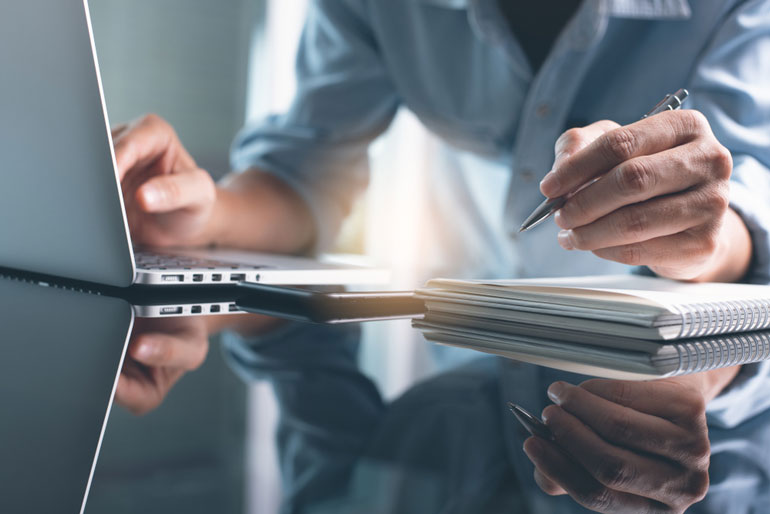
(710, 383)
(256, 211)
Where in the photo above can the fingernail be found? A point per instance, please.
(550, 184)
(556, 392)
(565, 239)
(145, 351)
(151, 196)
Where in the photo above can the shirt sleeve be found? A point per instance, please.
(731, 86)
(344, 100)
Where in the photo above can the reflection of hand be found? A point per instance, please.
(169, 200)
(662, 201)
(160, 352)
(628, 446)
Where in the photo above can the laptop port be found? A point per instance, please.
(214, 309)
(172, 278)
(232, 308)
(237, 277)
(166, 311)
(198, 277)
(216, 277)
(196, 309)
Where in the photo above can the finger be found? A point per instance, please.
(648, 136)
(681, 256)
(637, 180)
(630, 428)
(168, 351)
(141, 394)
(575, 139)
(547, 485)
(583, 488)
(614, 467)
(146, 141)
(663, 216)
(674, 400)
(174, 191)
(117, 130)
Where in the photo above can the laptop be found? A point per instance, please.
(61, 207)
(59, 365)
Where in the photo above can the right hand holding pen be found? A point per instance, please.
(169, 199)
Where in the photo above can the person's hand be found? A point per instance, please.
(619, 446)
(662, 200)
(169, 199)
(160, 352)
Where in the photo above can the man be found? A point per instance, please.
(682, 193)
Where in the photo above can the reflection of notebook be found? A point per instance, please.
(615, 326)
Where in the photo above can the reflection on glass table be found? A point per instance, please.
(448, 444)
(60, 353)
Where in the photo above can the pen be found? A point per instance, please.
(533, 424)
(551, 205)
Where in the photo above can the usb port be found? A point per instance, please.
(198, 277)
(237, 277)
(196, 309)
(232, 308)
(216, 277)
(166, 311)
(172, 278)
(214, 309)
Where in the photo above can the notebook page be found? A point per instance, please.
(622, 289)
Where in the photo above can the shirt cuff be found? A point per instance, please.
(754, 210)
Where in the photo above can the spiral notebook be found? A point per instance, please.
(620, 326)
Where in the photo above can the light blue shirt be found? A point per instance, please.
(456, 65)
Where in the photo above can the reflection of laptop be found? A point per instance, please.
(59, 365)
(61, 209)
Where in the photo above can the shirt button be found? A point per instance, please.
(527, 175)
(543, 110)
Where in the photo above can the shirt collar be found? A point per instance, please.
(640, 9)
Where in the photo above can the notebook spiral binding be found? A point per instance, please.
(722, 352)
(710, 318)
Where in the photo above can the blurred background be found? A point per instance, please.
(207, 66)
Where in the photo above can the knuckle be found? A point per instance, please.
(152, 119)
(697, 486)
(615, 473)
(619, 428)
(568, 138)
(697, 452)
(172, 191)
(695, 122)
(619, 145)
(694, 407)
(721, 161)
(634, 178)
(579, 240)
(630, 254)
(619, 392)
(598, 499)
(577, 209)
(632, 224)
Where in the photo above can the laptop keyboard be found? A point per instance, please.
(159, 261)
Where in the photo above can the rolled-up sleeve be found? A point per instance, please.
(731, 86)
(344, 100)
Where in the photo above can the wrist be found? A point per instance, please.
(732, 257)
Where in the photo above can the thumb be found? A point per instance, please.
(575, 139)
